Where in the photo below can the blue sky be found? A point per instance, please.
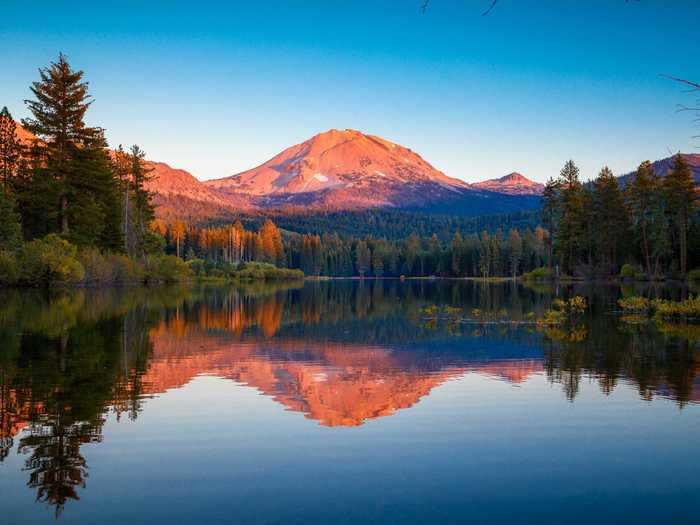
(219, 87)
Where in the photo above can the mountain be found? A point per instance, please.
(512, 184)
(338, 170)
(178, 193)
(343, 169)
(662, 167)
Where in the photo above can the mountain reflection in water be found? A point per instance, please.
(341, 353)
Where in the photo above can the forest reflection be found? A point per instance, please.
(340, 352)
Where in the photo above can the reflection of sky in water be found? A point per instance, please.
(475, 448)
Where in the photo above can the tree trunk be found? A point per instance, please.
(64, 215)
(647, 257)
(684, 248)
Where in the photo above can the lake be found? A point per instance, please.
(344, 402)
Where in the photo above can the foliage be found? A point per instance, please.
(48, 261)
(564, 310)
(8, 268)
(694, 275)
(538, 274)
(635, 304)
(109, 268)
(265, 272)
(687, 309)
(166, 269)
(628, 271)
(662, 308)
(10, 229)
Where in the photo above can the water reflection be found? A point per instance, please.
(341, 353)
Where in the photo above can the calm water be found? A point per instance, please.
(343, 402)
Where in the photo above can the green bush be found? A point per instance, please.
(688, 309)
(564, 310)
(628, 271)
(166, 269)
(124, 270)
(109, 269)
(258, 271)
(96, 266)
(48, 261)
(635, 304)
(538, 274)
(694, 275)
(198, 267)
(8, 269)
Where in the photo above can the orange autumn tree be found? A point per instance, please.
(177, 232)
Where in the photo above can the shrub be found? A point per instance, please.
(198, 267)
(97, 269)
(538, 274)
(125, 270)
(166, 269)
(51, 260)
(265, 271)
(110, 268)
(8, 268)
(628, 272)
(689, 308)
(564, 310)
(694, 275)
(635, 304)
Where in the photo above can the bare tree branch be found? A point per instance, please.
(493, 4)
(694, 85)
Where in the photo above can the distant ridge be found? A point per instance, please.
(344, 170)
(511, 184)
(663, 166)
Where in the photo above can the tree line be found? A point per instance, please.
(651, 225)
(649, 228)
(496, 254)
(70, 206)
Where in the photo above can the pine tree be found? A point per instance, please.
(572, 220)
(681, 195)
(378, 261)
(456, 254)
(94, 212)
(485, 254)
(610, 218)
(58, 120)
(362, 258)
(515, 251)
(642, 198)
(9, 148)
(10, 230)
(144, 210)
(550, 206)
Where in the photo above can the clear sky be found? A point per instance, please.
(219, 87)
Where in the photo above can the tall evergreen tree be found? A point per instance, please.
(144, 210)
(642, 198)
(362, 258)
(572, 220)
(550, 206)
(515, 251)
(59, 121)
(9, 148)
(611, 224)
(681, 195)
